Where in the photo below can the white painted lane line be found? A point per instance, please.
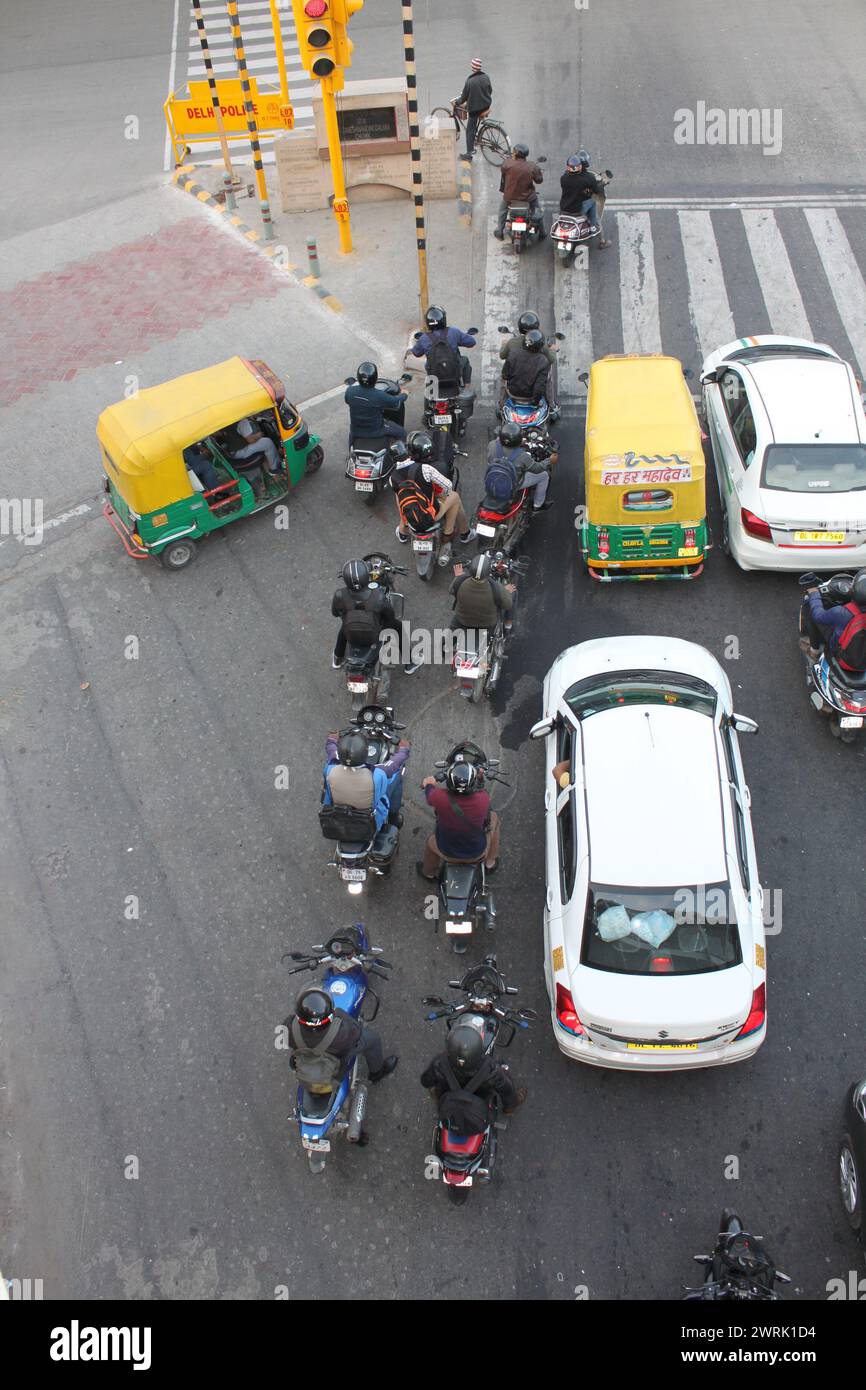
(708, 298)
(638, 286)
(501, 285)
(843, 272)
(571, 316)
(775, 274)
(166, 160)
(322, 396)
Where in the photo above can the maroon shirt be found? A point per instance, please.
(454, 837)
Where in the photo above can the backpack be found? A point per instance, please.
(500, 480)
(417, 508)
(443, 362)
(347, 823)
(460, 1109)
(851, 646)
(361, 626)
(317, 1069)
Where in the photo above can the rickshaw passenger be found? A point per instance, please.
(197, 458)
(258, 443)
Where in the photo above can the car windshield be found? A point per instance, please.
(640, 688)
(765, 352)
(815, 468)
(660, 931)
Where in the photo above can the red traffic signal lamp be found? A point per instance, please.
(315, 25)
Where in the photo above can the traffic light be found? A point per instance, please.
(316, 29)
(343, 11)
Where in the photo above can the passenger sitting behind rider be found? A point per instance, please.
(505, 456)
(527, 369)
(479, 599)
(580, 189)
(351, 781)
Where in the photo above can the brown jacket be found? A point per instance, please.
(519, 177)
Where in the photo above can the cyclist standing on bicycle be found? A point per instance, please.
(477, 97)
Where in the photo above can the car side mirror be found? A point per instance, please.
(743, 724)
(584, 377)
(709, 377)
(541, 729)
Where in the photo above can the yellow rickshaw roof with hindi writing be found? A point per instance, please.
(640, 406)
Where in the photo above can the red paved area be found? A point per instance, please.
(122, 301)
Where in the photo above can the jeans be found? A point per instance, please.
(534, 214)
(370, 1047)
(388, 428)
(206, 473)
(538, 483)
(433, 857)
(262, 446)
(817, 635)
(588, 206)
(471, 126)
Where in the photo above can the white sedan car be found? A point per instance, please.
(653, 931)
(788, 436)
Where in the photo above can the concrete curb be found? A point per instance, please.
(183, 178)
(464, 191)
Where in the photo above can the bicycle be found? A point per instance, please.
(490, 137)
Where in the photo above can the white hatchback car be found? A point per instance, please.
(654, 953)
(788, 436)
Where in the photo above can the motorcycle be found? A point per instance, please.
(739, 1267)
(520, 225)
(835, 692)
(502, 525)
(461, 1159)
(448, 406)
(367, 681)
(478, 654)
(370, 462)
(568, 233)
(427, 540)
(465, 902)
(362, 850)
(340, 1108)
(533, 418)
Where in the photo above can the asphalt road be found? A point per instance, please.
(153, 1039)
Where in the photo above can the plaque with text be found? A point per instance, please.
(367, 123)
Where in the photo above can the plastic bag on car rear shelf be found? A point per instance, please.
(613, 923)
(653, 927)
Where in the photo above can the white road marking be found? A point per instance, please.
(708, 298)
(501, 286)
(571, 315)
(166, 161)
(843, 273)
(778, 282)
(54, 521)
(322, 396)
(638, 286)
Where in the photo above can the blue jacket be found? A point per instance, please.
(381, 778)
(454, 337)
(366, 409)
(833, 621)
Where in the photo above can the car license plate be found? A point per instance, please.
(485, 530)
(320, 1146)
(458, 928)
(851, 721)
(687, 552)
(358, 687)
(363, 487)
(353, 875)
(662, 1047)
(442, 419)
(422, 545)
(819, 537)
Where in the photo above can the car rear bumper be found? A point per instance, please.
(751, 554)
(596, 1055)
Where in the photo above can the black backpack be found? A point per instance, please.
(443, 362)
(460, 1110)
(851, 647)
(361, 626)
(347, 823)
(500, 480)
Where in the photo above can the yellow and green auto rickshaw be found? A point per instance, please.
(187, 457)
(646, 509)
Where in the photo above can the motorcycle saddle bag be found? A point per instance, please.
(384, 844)
(347, 823)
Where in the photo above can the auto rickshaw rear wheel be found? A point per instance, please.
(178, 554)
(315, 459)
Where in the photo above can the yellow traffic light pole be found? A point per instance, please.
(335, 154)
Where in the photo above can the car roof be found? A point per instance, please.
(653, 797)
(605, 656)
(806, 399)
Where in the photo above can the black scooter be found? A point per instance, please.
(739, 1267)
(370, 463)
(367, 681)
(833, 691)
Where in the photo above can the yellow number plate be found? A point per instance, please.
(662, 1047)
(686, 552)
(819, 537)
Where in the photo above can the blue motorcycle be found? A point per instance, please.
(340, 1108)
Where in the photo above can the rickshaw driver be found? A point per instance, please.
(257, 443)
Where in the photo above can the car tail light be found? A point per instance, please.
(661, 965)
(566, 1014)
(757, 1013)
(755, 525)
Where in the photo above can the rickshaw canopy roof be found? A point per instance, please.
(641, 405)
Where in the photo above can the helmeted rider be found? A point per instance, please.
(464, 1060)
(517, 185)
(507, 452)
(365, 614)
(466, 832)
(527, 321)
(580, 188)
(368, 406)
(317, 1025)
(527, 370)
(349, 780)
(480, 599)
(827, 626)
(415, 482)
(438, 330)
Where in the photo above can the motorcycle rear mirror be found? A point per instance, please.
(430, 999)
(542, 159)
(504, 329)
(473, 331)
(349, 380)
(417, 335)
(407, 376)
(541, 729)
(529, 1015)
(688, 373)
(455, 984)
(608, 173)
(584, 377)
(808, 581)
(442, 764)
(560, 337)
(743, 724)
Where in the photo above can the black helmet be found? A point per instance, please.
(435, 318)
(462, 778)
(420, 446)
(315, 1008)
(510, 434)
(858, 589)
(533, 341)
(398, 451)
(520, 151)
(480, 567)
(356, 575)
(526, 321)
(582, 157)
(352, 750)
(368, 374)
(465, 1049)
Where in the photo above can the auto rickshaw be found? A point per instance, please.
(646, 510)
(155, 445)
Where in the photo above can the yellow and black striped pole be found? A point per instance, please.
(240, 59)
(215, 102)
(415, 151)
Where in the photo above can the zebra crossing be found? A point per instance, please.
(258, 34)
(685, 277)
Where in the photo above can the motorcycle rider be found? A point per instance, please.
(527, 321)
(464, 1058)
(438, 331)
(527, 370)
(318, 1026)
(479, 599)
(415, 481)
(367, 406)
(477, 97)
(580, 188)
(466, 831)
(825, 626)
(365, 614)
(351, 781)
(517, 185)
(506, 451)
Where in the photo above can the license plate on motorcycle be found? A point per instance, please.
(358, 687)
(819, 537)
(458, 928)
(851, 721)
(468, 672)
(518, 226)
(363, 487)
(319, 1146)
(422, 545)
(353, 875)
(441, 419)
(455, 1181)
(481, 530)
